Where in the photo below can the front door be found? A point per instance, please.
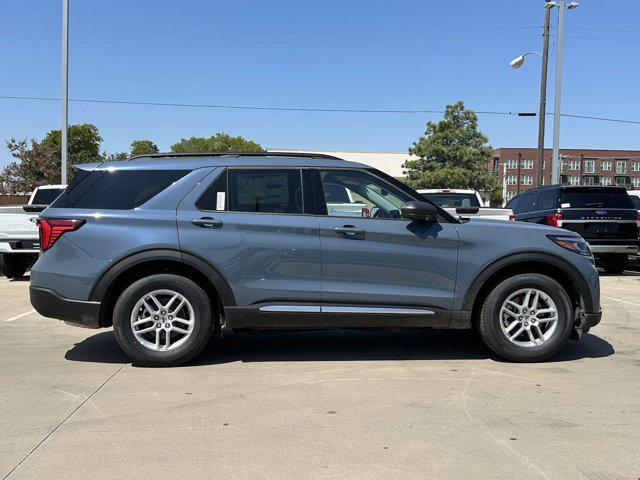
(377, 268)
(255, 228)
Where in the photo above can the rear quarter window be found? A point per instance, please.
(118, 189)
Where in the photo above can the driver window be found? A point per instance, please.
(355, 193)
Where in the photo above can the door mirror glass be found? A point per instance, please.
(419, 211)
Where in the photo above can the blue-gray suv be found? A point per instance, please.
(172, 249)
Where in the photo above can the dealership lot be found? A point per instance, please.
(328, 405)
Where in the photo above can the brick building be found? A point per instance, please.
(579, 167)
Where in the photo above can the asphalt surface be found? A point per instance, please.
(322, 405)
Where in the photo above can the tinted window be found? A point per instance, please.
(265, 191)
(215, 197)
(118, 189)
(371, 195)
(450, 200)
(595, 198)
(636, 201)
(525, 204)
(548, 200)
(44, 196)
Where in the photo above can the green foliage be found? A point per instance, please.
(452, 153)
(496, 199)
(219, 142)
(38, 163)
(142, 147)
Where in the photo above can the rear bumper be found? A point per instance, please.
(626, 249)
(50, 304)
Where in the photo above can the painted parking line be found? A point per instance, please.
(622, 301)
(20, 315)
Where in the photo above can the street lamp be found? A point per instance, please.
(517, 63)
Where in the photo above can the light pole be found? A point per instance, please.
(65, 90)
(518, 61)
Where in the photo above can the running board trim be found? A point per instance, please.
(344, 309)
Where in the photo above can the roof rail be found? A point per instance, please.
(233, 155)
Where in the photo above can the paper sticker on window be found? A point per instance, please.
(565, 205)
(220, 200)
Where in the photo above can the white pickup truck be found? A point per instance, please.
(19, 242)
(464, 204)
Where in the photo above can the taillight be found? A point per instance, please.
(52, 229)
(638, 222)
(555, 220)
(512, 216)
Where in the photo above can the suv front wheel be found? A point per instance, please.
(526, 318)
(162, 320)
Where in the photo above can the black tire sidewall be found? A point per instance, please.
(145, 356)
(490, 318)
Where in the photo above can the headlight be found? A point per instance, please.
(574, 244)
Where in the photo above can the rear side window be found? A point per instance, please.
(595, 198)
(525, 205)
(118, 189)
(265, 190)
(636, 201)
(215, 197)
(548, 200)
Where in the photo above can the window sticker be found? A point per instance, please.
(220, 200)
(565, 205)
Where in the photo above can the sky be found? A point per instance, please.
(407, 55)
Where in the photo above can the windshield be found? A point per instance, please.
(44, 196)
(453, 200)
(595, 198)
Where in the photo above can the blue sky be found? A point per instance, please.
(331, 54)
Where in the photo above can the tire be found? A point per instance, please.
(491, 324)
(14, 265)
(197, 305)
(615, 265)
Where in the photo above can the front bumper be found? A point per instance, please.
(628, 249)
(51, 304)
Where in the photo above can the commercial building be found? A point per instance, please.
(517, 168)
(388, 162)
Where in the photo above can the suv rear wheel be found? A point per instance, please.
(162, 320)
(15, 265)
(526, 318)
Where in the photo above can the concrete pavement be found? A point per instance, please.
(322, 405)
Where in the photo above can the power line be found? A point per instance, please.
(305, 109)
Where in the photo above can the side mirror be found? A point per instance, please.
(419, 211)
(467, 210)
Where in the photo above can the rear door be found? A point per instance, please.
(255, 228)
(381, 270)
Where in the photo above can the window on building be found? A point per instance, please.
(527, 164)
(574, 165)
(509, 195)
(589, 181)
(621, 181)
(526, 180)
(635, 182)
(621, 167)
(605, 181)
(511, 164)
(635, 166)
(511, 180)
(496, 164)
(573, 180)
(589, 166)
(605, 165)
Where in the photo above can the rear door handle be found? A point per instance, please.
(206, 222)
(349, 231)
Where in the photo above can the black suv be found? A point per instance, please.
(604, 216)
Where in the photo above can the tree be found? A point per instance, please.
(38, 162)
(219, 142)
(142, 147)
(452, 153)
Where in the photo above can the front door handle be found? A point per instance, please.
(349, 231)
(206, 222)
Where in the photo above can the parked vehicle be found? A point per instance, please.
(171, 249)
(603, 216)
(634, 260)
(19, 243)
(464, 203)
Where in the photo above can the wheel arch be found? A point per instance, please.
(148, 262)
(550, 265)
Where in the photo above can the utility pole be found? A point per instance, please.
(65, 89)
(558, 93)
(518, 173)
(543, 94)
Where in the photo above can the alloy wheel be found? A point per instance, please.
(528, 317)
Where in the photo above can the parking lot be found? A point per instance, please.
(328, 405)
